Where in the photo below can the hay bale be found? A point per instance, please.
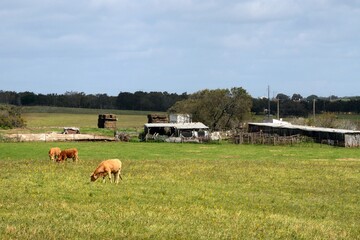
(155, 118)
(107, 121)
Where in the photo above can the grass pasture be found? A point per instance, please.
(38, 122)
(181, 191)
(174, 191)
(40, 118)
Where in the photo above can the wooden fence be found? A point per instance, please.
(264, 138)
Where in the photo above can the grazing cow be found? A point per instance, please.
(54, 153)
(68, 153)
(107, 168)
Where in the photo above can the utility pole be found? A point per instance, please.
(314, 100)
(278, 109)
(268, 102)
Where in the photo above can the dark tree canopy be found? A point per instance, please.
(153, 101)
(282, 96)
(296, 97)
(162, 101)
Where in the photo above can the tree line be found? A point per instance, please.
(143, 101)
(295, 105)
(298, 106)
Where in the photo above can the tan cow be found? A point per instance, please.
(54, 153)
(68, 153)
(108, 168)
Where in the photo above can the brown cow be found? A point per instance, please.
(107, 168)
(68, 153)
(54, 153)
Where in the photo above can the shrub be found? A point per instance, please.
(10, 117)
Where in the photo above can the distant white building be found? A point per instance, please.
(180, 118)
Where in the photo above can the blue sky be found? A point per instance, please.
(111, 46)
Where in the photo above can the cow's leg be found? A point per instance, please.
(109, 174)
(120, 174)
(117, 176)
(104, 175)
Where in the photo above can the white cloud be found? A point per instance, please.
(185, 39)
(265, 10)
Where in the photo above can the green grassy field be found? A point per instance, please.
(86, 122)
(54, 119)
(50, 117)
(181, 191)
(175, 191)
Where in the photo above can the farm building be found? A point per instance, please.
(107, 121)
(176, 132)
(180, 118)
(336, 137)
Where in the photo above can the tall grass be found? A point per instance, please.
(181, 191)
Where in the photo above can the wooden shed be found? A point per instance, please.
(107, 121)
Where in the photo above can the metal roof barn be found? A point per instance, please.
(193, 130)
(332, 136)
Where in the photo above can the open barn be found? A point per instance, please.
(332, 136)
(176, 132)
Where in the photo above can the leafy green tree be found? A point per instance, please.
(219, 109)
(291, 108)
(312, 97)
(28, 98)
(9, 97)
(283, 97)
(296, 97)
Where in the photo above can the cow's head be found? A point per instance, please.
(93, 177)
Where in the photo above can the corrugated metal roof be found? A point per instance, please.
(306, 128)
(193, 125)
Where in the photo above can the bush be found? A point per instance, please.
(327, 120)
(10, 117)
